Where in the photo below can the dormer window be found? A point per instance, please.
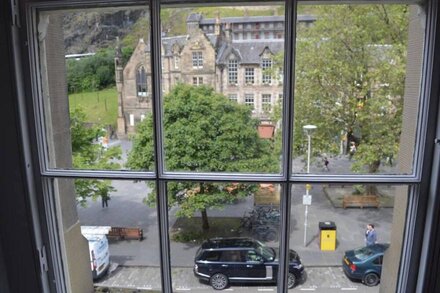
(141, 82)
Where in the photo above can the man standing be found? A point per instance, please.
(105, 199)
(370, 235)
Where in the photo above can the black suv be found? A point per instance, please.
(224, 260)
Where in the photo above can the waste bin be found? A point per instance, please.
(327, 235)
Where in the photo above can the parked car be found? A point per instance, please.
(221, 261)
(365, 264)
(98, 249)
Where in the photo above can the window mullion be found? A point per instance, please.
(155, 40)
(289, 49)
(161, 198)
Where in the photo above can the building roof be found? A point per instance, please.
(253, 19)
(249, 51)
(266, 131)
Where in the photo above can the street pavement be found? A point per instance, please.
(136, 263)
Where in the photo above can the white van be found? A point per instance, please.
(98, 249)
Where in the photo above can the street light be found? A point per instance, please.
(307, 199)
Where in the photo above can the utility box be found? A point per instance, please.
(327, 235)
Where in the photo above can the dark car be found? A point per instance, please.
(221, 261)
(365, 263)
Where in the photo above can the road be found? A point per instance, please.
(319, 279)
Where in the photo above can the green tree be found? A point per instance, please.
(204, 132)
(350, 72)
(87, 154)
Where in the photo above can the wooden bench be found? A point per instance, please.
(124, 233)
(360, 201)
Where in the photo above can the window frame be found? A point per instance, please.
(249, 75)
(286, 178)
(197, 59)
(233, 71)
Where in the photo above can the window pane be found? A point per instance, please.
(215, 119)
(242, 223)
(119, 224)
(96, 87)
(357, 80)
(329, 229)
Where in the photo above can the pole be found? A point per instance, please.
(306, 212)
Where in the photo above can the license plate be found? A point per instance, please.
(346, 261)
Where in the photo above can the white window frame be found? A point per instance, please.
(249, 100)
(197, 80)
(233, 71)
(233, 97)
(286, 179)
(266, 103)
(266, 64)
(249, 75)
(197, 59)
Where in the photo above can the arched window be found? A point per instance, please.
(141, 82)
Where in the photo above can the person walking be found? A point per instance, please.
(352, 149)
(370, 235)
(326, 162)
(105, 199)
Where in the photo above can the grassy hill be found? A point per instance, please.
(101, 107)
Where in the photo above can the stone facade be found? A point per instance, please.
(234, 55)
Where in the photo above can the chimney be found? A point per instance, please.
(217, 25)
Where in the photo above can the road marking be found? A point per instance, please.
(307, 289)
(183, 289)
(265, 289)
(347, 289)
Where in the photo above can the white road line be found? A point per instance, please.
(307, 289)
(265, 290)
(349, 289)
(183, 289)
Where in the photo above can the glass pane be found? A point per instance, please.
(343, 231)
(222, 83)
(119, 226)
(93, 96)
(357, 83)
(232, 228)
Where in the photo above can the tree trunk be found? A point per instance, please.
(372, 168)
(371, 190)
(205, 223)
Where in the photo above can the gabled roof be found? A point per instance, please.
(249, 51)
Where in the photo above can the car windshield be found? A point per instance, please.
(267, 252)
(363, 253)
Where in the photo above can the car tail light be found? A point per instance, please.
(353, 267)
(93, 261)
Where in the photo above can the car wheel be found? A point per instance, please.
(371, 279)
(291, 280)
(219, 281)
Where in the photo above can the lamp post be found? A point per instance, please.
(308, 130)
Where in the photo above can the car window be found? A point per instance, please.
(211, 256)
(252, 256)
(378, 260)
(363, 253)
(231, 256)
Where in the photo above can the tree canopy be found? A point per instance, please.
(204, 132)
(87, 154)
(350, 73)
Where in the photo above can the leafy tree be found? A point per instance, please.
(91, 73)
(350, 73)
(90, 155)
(204, 132)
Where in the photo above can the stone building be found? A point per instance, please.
(234, 55)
